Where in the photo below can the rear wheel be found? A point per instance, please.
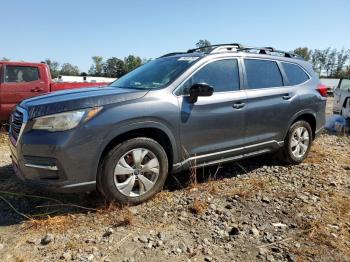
(134, 171)
(297, 143)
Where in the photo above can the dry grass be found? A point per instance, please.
(193, 174)
(3, 138)
(250, 187)
(52, 224)
(114, 215)
(320, 153)
(163, 197)
(328, 228)
(317, 154)
(198, 206)
(126, 219)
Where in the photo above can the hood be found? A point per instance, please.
(75, 99)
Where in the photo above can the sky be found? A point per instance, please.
(74, 31)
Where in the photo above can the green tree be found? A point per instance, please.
(97, 67)
(54, 67)
(331, 62)
(342, 57)
(202, 43)
(68, 69)
(131, 62)
(146, 60)
(114, 67)
(304, 52)
(315, 60)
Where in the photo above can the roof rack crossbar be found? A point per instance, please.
(239, 48)
(213, 47)
(264, 50)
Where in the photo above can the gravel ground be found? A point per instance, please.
(251, 210)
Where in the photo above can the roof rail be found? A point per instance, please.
(268, 50)
(239, 48)
(211, 48)
(173, 53)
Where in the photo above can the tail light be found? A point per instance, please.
(322, 89)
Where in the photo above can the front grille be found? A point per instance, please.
(16, 124)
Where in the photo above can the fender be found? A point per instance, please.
(134, 124)
(298, 114)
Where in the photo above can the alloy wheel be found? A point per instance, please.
(136, 172)
(300, 141)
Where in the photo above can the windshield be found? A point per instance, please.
(155, 74)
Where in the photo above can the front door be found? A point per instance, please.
(19, 82)
(213, 126)
(340, 95)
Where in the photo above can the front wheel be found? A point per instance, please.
(134, 171)
(297, 143)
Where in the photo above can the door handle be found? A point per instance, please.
(238, 105)
(286, 96)
(36, 89)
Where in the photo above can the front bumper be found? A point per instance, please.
(56, 161)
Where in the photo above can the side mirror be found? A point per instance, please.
(200, 89)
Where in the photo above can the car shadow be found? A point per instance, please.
(18, 202)
(202, 175)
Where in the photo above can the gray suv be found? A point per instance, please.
(197, 108)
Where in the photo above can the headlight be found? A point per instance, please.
(64, 121)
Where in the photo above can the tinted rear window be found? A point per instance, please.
(295, 74)
(262, 74)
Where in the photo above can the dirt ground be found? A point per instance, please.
(251, 210)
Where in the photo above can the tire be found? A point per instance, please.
(133, 171)
(290, 153)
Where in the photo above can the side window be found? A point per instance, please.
(262, 74)
(345, 84)
(222, 75)
(21, 74)
(295, 74)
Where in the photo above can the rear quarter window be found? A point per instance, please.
(295, 74)
(262, 74)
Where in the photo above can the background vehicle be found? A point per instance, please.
(85, 79)
(197, 108)
(20, 80)
(341, 104)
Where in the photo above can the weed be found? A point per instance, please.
(56, 223)
(198, 206)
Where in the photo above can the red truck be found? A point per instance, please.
(21, 80)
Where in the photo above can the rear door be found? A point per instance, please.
(341, 93)
(19, 82)
(271, 102)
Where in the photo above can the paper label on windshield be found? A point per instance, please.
(188, 58)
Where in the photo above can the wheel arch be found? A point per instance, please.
(153, 130)
(307, 116)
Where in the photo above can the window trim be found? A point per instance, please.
(340, 82)
(302, 83)
(246, 87)
(9, 83)
(1, 73)
(240, 76)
